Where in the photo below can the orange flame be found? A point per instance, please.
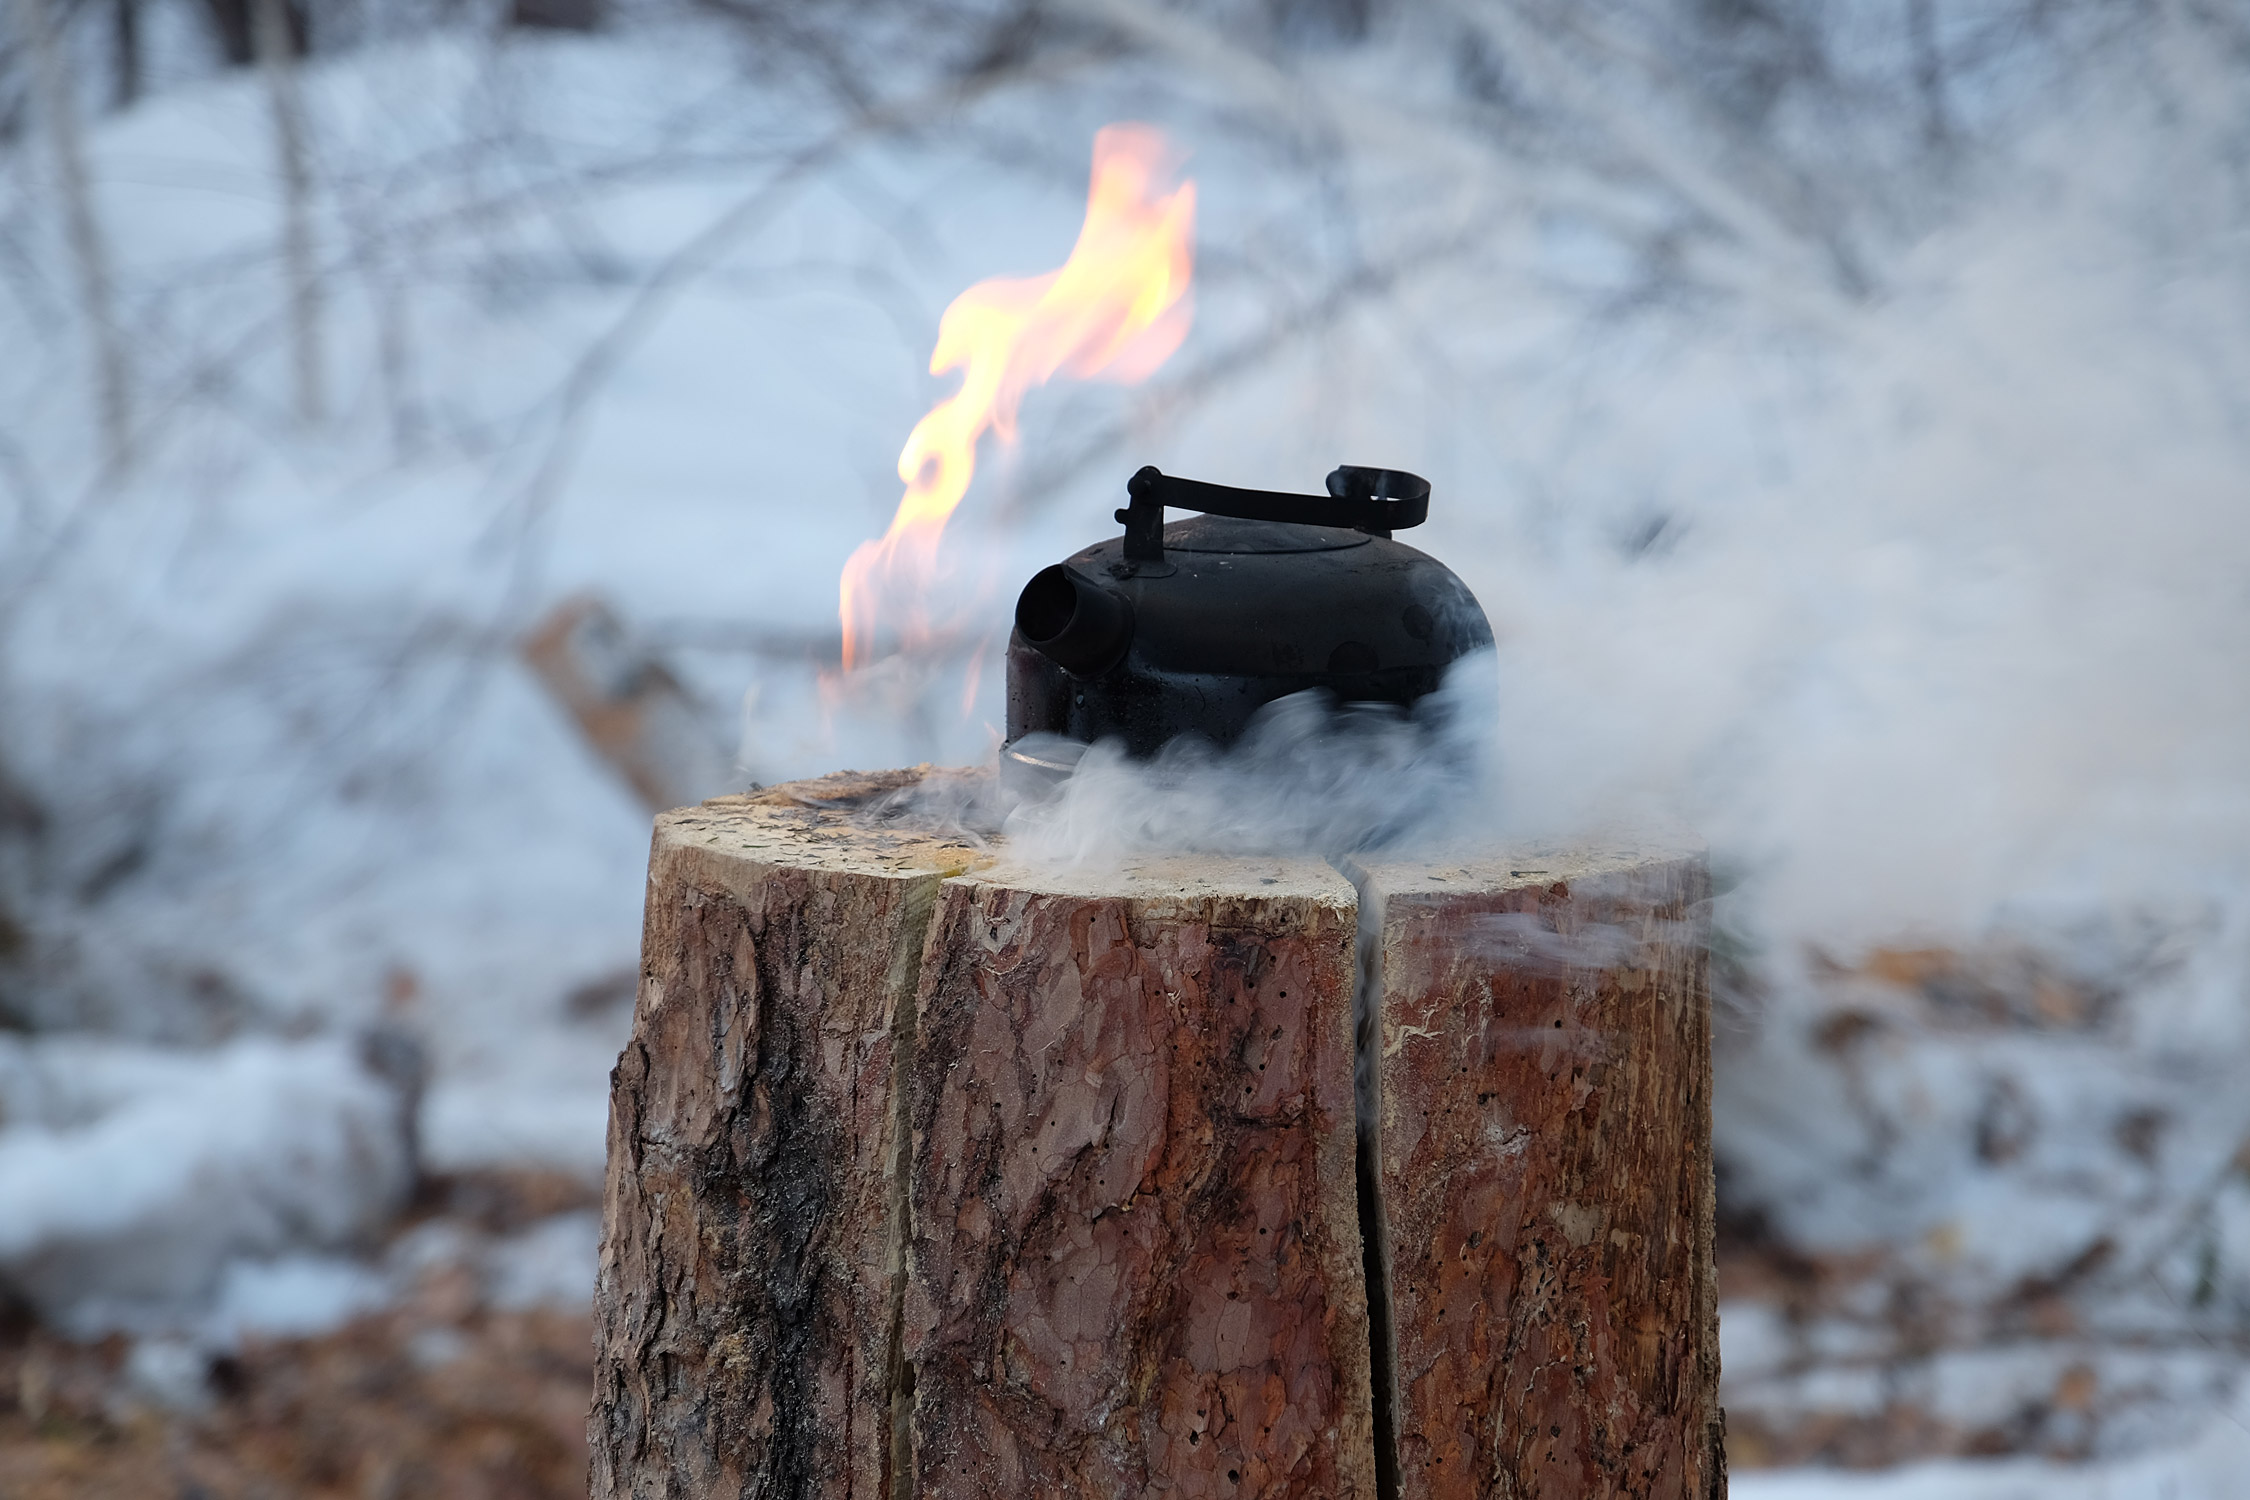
(1116, 310)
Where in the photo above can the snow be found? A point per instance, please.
(549, 1264)
(292, 1296)
(1926, 610)
(133, 1175)
(2210, 1467)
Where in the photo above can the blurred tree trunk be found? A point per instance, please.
(278, 49)
(557, 15)
(234, 23)
(23, 828)
(89, 250)
(1929, 74)
(127, 51)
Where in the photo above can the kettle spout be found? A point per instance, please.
(1074, 622)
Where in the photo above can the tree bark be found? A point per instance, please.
(1136, 1257)
(746, 1299)
(1543, 1093)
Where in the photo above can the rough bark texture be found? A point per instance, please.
(932, 1176)
(746, 1295)
(1546, 1179)
(1136, 1254)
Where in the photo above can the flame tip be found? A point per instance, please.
(1116, 309)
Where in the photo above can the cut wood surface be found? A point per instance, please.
(932, 1174)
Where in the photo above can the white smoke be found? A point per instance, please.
(1309, 777)
(1933, 621)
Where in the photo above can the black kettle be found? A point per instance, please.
(1192, 627)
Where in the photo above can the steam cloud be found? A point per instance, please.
(1311, 777)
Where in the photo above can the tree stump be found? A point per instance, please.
(932, 1175)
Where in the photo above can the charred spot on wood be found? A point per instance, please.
(783, 1195)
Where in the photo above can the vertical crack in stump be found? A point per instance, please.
(1546, 1180)
(1213, 1176)
(1374, 1227)
(904, 980)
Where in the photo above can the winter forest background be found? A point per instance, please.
(1842, 410)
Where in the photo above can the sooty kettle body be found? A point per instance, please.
(1193, 627)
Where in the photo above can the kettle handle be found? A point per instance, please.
(1376, 501)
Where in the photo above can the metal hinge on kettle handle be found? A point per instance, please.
(1376, 501)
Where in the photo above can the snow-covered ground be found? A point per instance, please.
(2210, 1464)
(1926, 606)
